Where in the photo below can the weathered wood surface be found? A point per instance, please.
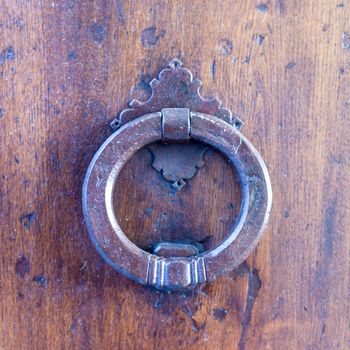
(67, 67)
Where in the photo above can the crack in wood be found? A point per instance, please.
(254, 285)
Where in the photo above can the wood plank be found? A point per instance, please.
(67, 68)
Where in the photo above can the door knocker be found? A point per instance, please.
(175, 113)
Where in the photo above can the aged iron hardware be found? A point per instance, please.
(175, 113)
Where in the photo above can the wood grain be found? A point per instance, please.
(66, 69)
(150, 210)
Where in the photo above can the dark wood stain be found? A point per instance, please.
(150, 37)
(219, 313)
(22, 266)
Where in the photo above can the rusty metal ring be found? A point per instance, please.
(174, 273)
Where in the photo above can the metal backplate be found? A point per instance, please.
(176, 88)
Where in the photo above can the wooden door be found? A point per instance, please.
(68, 67)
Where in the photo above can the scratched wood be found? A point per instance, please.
(66, 69)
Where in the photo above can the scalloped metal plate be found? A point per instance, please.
(176, 88)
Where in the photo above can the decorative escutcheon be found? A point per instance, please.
(175, 113)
